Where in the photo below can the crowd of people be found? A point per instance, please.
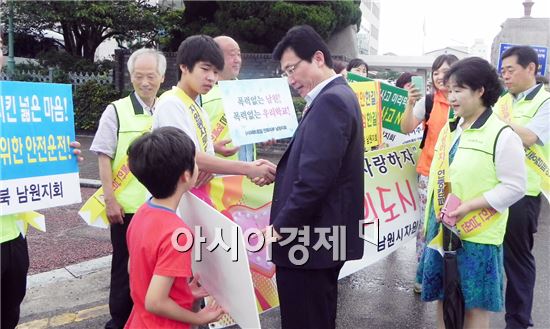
(476, 134)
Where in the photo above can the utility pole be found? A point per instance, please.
(11, 60)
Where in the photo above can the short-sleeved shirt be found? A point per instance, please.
(106, 137)
(170, 111)
(151, 253)
(540, 124)
(419, 109)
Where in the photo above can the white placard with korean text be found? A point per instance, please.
(258, 110)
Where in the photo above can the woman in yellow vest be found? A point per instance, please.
(482, 159)
(433, 112)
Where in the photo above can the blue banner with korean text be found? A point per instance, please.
(37, 167)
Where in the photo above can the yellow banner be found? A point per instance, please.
(30, 218)
(537, 161)
(368, 95)
(199, 121)
(93, 211)
(439, 171)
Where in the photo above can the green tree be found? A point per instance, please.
(84, 25)
(258, 25)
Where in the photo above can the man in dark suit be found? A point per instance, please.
(318, 197)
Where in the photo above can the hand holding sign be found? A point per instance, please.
(221, 148)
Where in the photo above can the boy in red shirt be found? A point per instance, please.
(164, 162)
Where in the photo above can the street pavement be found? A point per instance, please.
(68, 282)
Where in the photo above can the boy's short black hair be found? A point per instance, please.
(197, 48)
(305, 42)
(525, 55)
(159, 158)
(475, 73)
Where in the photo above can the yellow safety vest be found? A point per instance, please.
(471, 174)
(8, 228)
(537, 156)
(129, 192)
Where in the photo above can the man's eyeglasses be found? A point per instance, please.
(290, 69)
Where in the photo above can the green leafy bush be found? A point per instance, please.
(69, 63)
(299, 104)
(90, 100)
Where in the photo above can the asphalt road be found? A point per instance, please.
(379, 296)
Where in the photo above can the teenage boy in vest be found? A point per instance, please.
(121, 123)
(159, 273)
(526, 108)
(199, 61)
(15, 255)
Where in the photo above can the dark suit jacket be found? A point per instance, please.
(319, 181)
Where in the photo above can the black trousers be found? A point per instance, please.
(308, 298)
(519, 262)
(120, 302)
(15, 266)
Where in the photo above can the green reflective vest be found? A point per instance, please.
(522, 112)
(8, 228)
(133, 122)
(472, 173)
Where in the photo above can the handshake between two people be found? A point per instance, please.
(261, 172)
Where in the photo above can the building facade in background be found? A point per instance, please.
(526, 30)
(369, 31)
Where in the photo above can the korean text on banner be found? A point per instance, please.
(37, 167)
(392, 212)
(393, 100)
(258, 110)
(368, 95)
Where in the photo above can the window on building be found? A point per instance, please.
(368, 3)
(374, 32)
(376, 10)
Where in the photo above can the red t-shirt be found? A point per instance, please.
(151, 252)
